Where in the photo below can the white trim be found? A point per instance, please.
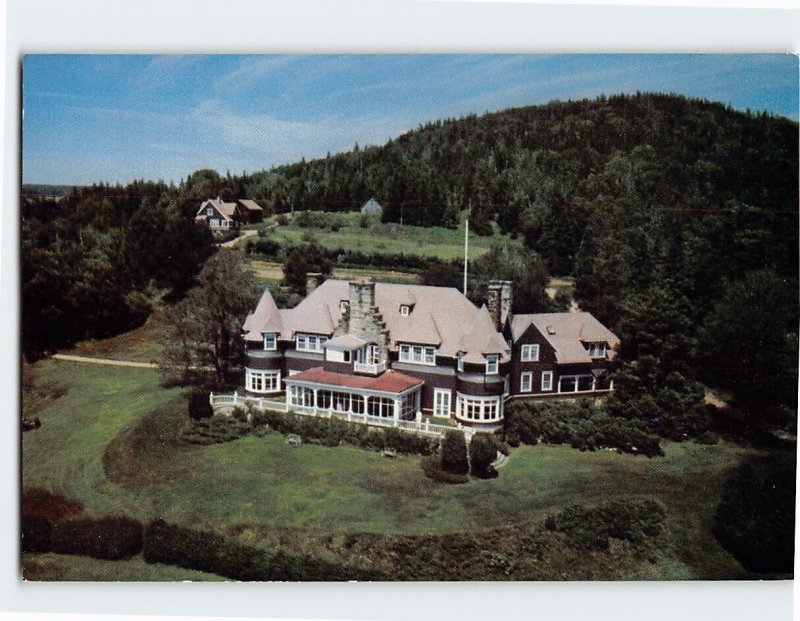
(479, 406)
(445, 395)
(495, 366)
(548, 375)
(460, 361)
(528, 375)
(274, 340)
(532, 350)
(262, 381)
(307, 338)
(408, 352)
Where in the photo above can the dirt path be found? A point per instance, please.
(107, 361)
(234, 242)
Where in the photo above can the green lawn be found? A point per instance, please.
(391, 238)
(270, 273)
(111, 441)
(84, 569)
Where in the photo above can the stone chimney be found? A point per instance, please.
(364, 318)
(500, 296)
(313, 280)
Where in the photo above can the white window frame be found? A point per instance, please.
(442, 400)
(305, 341)
(476, 409)
(263, 381)
(547, 381)
(416, 354)
(529, 352)
(344, 306)
(492, 364)
(405, 310)
(597, 350)
(524, 378)
(210, 211)
(460, 361)
(270, 341)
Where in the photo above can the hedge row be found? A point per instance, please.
(210, 552)
(581, 424)
(215, 430)
(110, 538)
(333, 431)
(40, 512)
(592, 528)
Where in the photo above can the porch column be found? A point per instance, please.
(397, 409)
(559, 384)
(594, 383)
(611, 385)
(366, 411)
(350, 406)
(577, 382)
(315, 399)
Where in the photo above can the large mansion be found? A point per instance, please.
(401, 351)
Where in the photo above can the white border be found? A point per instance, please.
(354, 26)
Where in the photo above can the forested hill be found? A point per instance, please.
(525, 164)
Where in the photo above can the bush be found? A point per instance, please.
(40, 511)
(110, 538)
(482, 453)
(37, 533)
(209, 552)
(432, 467)
(755, 518)
(591, 528)
(454, 452)
(199, 405)
(215, 430)
(582, 425)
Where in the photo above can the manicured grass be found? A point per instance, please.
(111, 442)
(48, 567)
(394, 238)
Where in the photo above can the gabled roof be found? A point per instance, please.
(346, 342)
(250, 205)
(226, 210)
(388, 381)
(441, 316)
(266, 318)
(372, 207)
(567, 333)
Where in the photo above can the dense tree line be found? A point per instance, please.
(93, 261)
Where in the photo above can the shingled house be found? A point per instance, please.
(393, 350)
(226, 216)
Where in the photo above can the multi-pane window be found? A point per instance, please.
(262, 381)
(441, 402)
(597, 350)
(344, 306)
(405, 310)
(270, 341)
(417, 353)
(491, 364)
(486, 409)
(547, 380)
(525, 382)
(310, 342)
(530, 352)
(460, 361)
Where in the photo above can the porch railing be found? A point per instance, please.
(368, 367)
(261, 403)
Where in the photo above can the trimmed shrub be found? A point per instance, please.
(432, 467)
(199, 405)
(482, 453)
(110, 538)
(755, 518)
(209, 552)
(582, 425)
(454, 452)
(215, 430)
(40, 511)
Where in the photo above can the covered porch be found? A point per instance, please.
(391, 396)
(596, 380)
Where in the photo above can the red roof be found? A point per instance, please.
(389, 381)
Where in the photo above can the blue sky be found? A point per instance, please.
(115, 118)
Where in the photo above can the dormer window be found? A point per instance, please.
(419, 354)
(596, 350)
(492, 361)
(405, 309)
(210, 211)
(344, 306)
(460, 362)
(270, 341)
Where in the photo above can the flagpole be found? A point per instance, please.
(466, 253)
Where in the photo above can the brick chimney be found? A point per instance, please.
(313, 280)
(500, 296)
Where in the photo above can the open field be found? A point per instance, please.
(391, 238)
(111, 441)
(270, 273)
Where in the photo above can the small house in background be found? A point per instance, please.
(372, 208)
(221, 216)
(250, 211)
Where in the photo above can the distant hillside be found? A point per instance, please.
(530, 166)
(43, 191)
